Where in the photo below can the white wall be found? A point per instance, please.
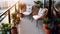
(3, 4)
(11, 2)
(29, 1)
(32, 1)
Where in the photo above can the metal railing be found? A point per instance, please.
(7, 12)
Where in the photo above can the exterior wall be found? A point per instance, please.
(32, 1)
(22, 1)
(29, 1)
(3, 4)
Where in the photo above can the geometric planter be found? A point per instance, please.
(47, 31)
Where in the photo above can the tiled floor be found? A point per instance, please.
(27, 26)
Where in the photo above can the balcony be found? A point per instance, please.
(28, 16)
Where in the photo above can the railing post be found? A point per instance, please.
(9, 16)
(15, 7)
(18, 7)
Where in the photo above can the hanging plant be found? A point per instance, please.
(38, 3)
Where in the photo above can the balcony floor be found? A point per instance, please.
(27, 26)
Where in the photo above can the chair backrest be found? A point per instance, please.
(28, 8)
(41, 11)
(44, 13)
(35, 10)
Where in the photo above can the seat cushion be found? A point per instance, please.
(28, 10)
(40, 14)
(41, 11)
(36, 17)
(27, 13)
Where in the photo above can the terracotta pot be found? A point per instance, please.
(14, 30)
(21, 15)
(47, 31)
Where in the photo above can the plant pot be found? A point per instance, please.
(14, 30)
(21, 15)
(47, 31)
(59, 29)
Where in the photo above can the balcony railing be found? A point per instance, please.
(8, 12)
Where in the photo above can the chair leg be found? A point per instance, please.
(36, 23)
(31, 19)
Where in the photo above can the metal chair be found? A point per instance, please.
(41, 15)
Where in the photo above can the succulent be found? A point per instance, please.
(46, 20)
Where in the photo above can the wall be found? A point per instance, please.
(32, 1)
(3, 4)
(29, 1)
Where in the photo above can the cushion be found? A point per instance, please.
(41, 11)
(40, 14)
(27, 13)
(36, 17)
(29, 8)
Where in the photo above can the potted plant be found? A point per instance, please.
(57, 20)
(38, 3)
(6, 28)
(45, 24)
(15, 18)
